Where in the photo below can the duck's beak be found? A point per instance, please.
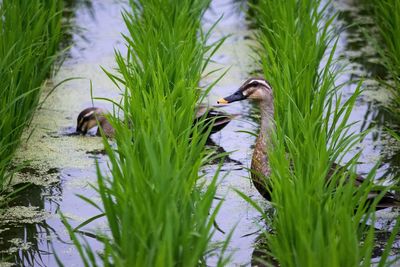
(237, 96)
(222, 101)
(79, 131)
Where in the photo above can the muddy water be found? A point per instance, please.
(62, 166)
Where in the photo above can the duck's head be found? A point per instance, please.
(254, 88)
(88, 118)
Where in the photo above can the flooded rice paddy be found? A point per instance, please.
(62, 166)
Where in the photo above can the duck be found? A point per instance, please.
(94, 116)
(259, 89)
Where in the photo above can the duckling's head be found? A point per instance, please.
(254, 88)
(88, 118)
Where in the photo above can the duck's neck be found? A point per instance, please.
(267, 122)
(259, 162)
(106, 126)
(102, 120)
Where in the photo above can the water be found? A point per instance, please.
(235, 212)
(361, 60)
(62, 166)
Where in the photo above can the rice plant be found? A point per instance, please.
(158, 212)
(317, 223)
(386, 15)
(30, 33)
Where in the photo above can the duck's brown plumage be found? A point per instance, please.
(89, 117)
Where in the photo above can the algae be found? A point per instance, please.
(22, 215)
(6, 264)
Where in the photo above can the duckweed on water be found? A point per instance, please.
(18, 244)
(22, 214)
(41, 176)
(386, 15)
(6, 264)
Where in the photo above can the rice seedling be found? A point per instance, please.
(158, 212)
(30, 34)
(316, 223)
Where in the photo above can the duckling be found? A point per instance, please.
(89, 117)
(260, 90)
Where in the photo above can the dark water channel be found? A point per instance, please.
(62, 166)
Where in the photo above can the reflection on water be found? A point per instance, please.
(24, 238)
(235, 214)
(357, 50)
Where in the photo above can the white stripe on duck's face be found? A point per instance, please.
(87, 119)
(88, 114)
(257, 89)
(257, 81)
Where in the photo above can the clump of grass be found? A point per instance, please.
(386, 15)
(157, 212)
(30, 34)
(317, 223)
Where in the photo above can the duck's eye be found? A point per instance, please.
(254, 83)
